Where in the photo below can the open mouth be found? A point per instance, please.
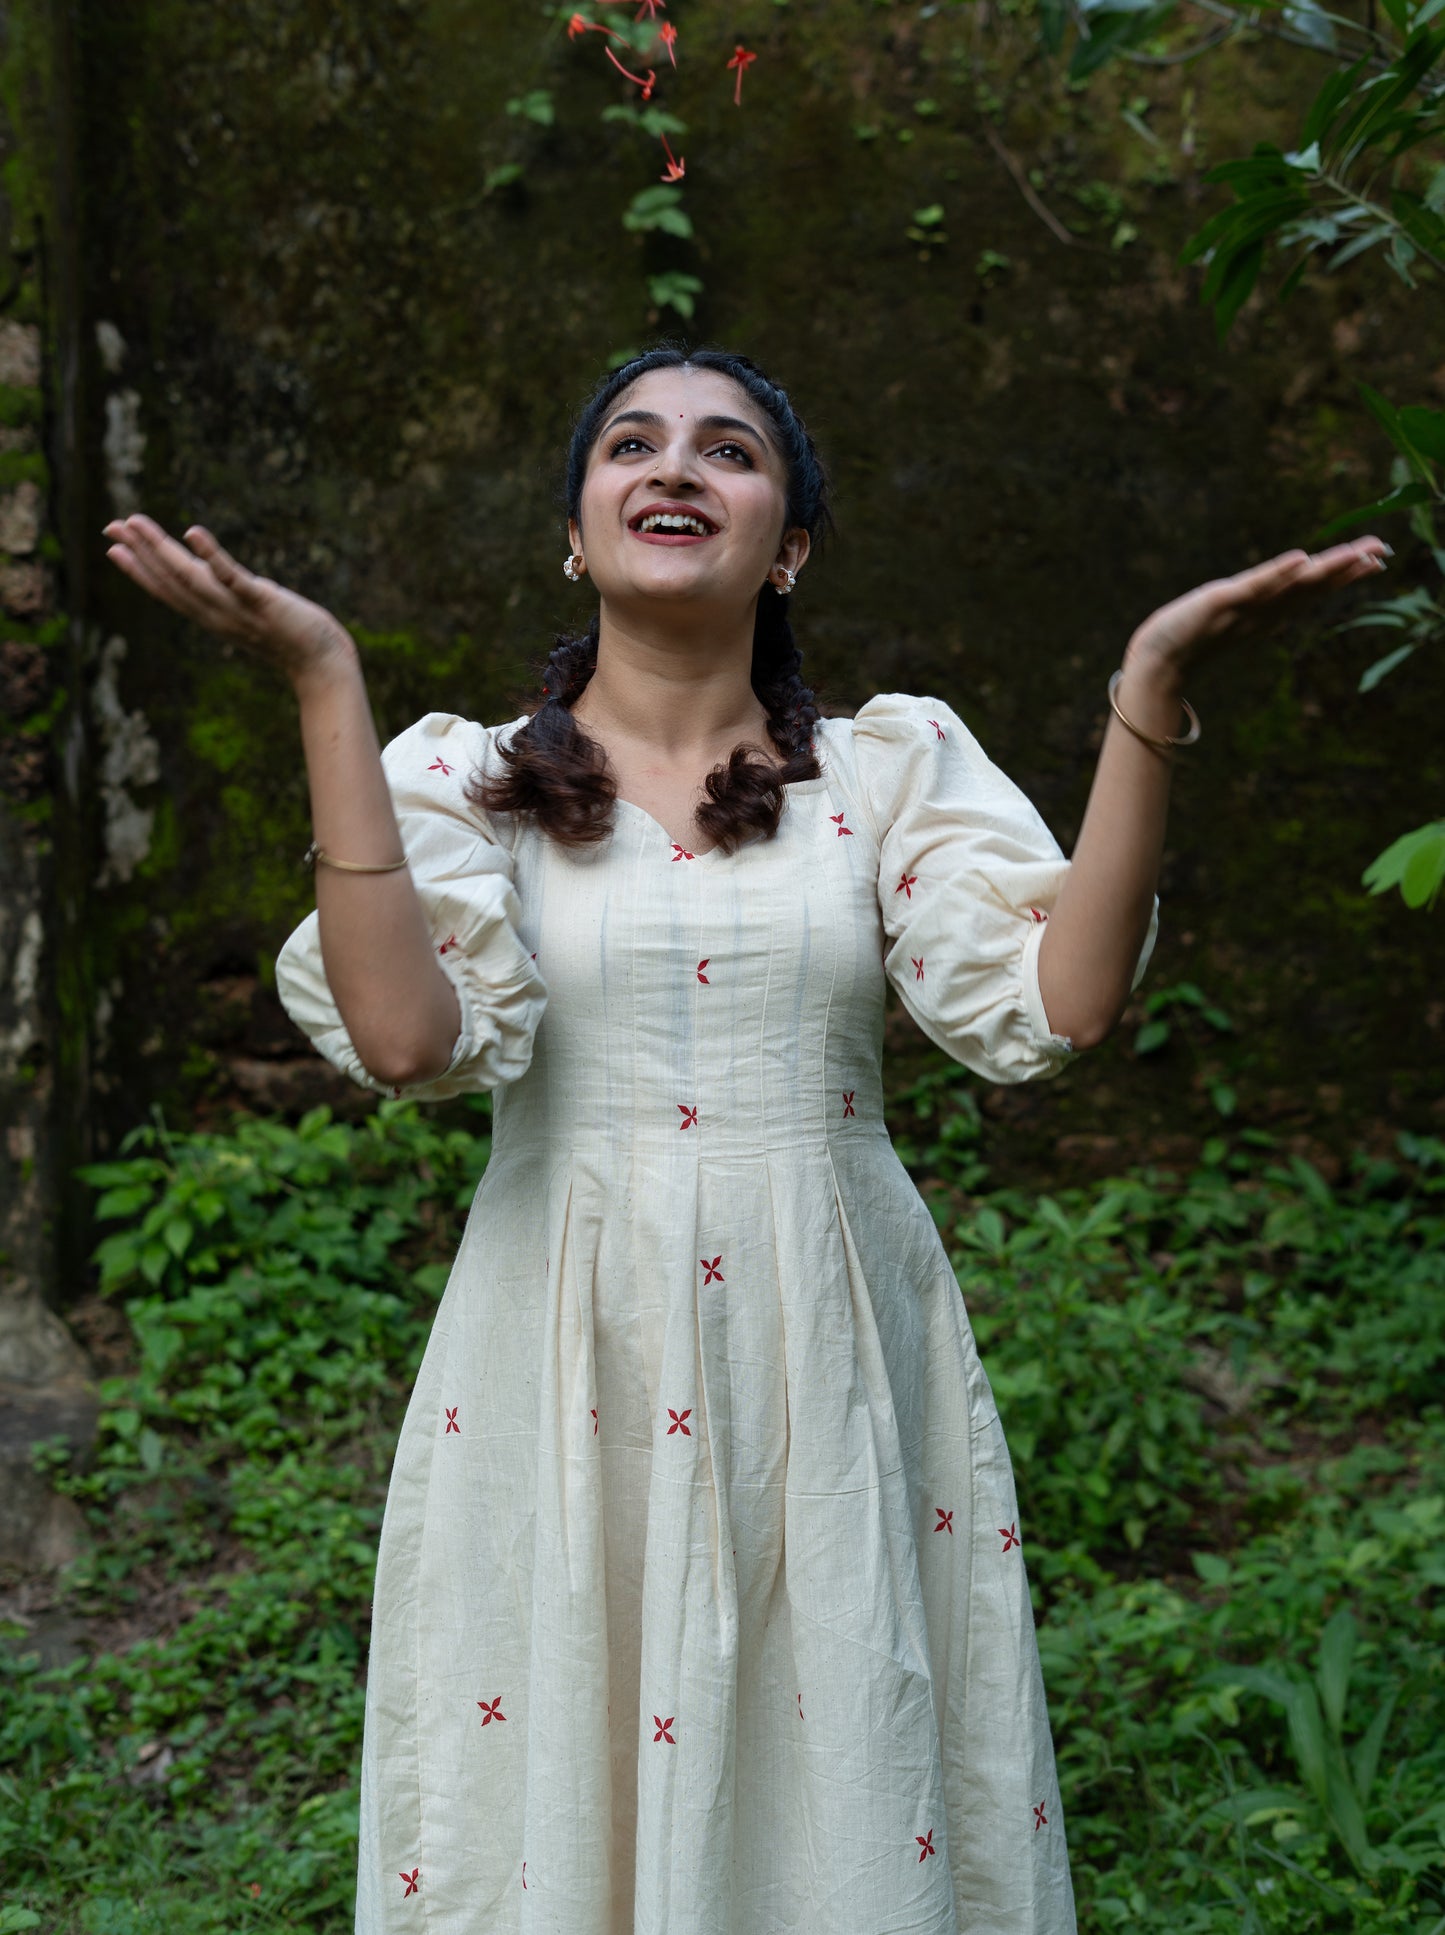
(672, 527)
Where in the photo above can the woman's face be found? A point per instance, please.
(685, 496)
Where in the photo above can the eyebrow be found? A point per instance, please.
(709, 424)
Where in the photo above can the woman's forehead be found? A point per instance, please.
(684, 392)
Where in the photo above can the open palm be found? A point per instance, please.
(1252, 602)
(207, 584)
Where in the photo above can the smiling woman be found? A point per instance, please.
(697, 523)
(700, 1606)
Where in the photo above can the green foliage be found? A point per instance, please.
(1415, 863)
(926, 229)
(658, 207)
(536, 105)
(1222, 1394)
(675, 290)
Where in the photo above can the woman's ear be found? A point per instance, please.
(794, 549)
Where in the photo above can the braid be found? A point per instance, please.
(747, 795)
(778, 682)
(551, 768)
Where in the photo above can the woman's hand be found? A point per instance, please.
(1248, 605)
(205, 583)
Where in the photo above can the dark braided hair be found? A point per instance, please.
(557, 773)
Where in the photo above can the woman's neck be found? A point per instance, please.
(674, 699)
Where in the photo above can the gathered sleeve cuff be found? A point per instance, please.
(461, 867)
(968, 875)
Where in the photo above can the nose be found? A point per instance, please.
(675, 468)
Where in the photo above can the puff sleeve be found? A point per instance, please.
(462, 870)
(968, 873)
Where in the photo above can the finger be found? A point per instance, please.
(192, 592)
(192, 585)
(235, 576)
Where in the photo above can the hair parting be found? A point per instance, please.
(555, 772)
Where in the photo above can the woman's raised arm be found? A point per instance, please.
(398, 1005)
(1090, 948)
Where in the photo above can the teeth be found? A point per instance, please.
(674, 521)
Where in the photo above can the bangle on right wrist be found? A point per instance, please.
(1160, 745)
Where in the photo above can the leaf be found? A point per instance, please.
(1234, 288)
(534, 106)
(1307, 1741)
(1425, 428)
(154, 1259)
(1365, 1760)
(1213, 1570)
(674, 290)
(657, 207)
(502, 176)
(1382, 667)
(177, 1235)
(1396, 500)
(1312, 23)
(1415, 863)
(1424, 871)
(1152, 1035)
(1337, 1652)
(1116, 29)
(124, 1201)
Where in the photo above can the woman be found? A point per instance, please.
(701, 1604)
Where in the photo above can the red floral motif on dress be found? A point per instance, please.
(700, 975)
(689, 1117)
(491, 1710)
(662, 1729)
(925, 1842)
(413, 1882)
(680, 852)
(439, 765)
(848, 1108)
(1037, 914)
(524, 1874)
(714, 1269)
(594, 1420)
(945, 1521)
(1010, 1536)
(448, 944)
(938, 728)
(837, 819)
(452, 1425)
(679, 1422)
(800, 1706)
(917, 960)
(906, 885)
(1040, 1818)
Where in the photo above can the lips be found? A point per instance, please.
(665, 523)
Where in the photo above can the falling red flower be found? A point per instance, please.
(667, 34)
(637, 80)
(675, 169)
(649, 7)
(579, 24)
(742, 60)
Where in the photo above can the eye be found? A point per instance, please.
(616, 449)
(736, 450)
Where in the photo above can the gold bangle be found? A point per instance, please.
(314, 856)
(1162, 745)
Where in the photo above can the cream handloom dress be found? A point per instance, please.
(701, 1605)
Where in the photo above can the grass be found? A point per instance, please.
(1223, 1393)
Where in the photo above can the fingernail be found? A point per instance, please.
(1388, 549)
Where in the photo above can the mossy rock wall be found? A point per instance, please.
(308, 323)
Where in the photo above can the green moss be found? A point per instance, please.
(22, 466)
(164, 851)
(19, 408)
